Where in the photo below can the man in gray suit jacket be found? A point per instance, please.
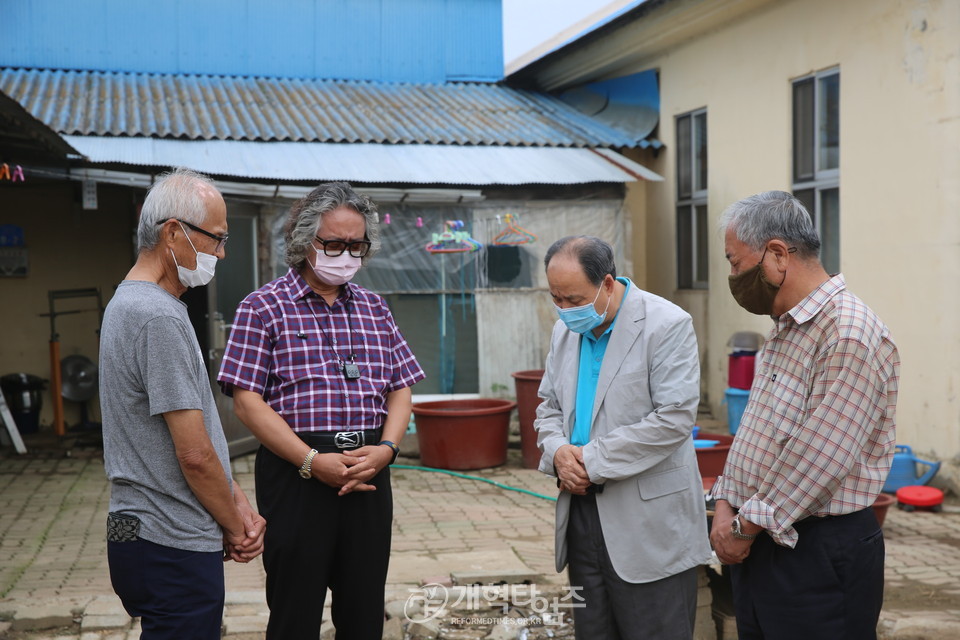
(620, 395)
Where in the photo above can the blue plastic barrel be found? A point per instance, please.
(736, 400)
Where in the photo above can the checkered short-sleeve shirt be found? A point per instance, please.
(289, 345)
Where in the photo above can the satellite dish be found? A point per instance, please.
(80, 378)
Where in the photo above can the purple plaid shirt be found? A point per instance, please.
(287, 344)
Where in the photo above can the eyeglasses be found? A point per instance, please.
(334, 248)
(221, 240)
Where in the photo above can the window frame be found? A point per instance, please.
(822, 179)
(693, 269)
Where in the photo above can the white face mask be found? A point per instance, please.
(338, 270)
(203, 274)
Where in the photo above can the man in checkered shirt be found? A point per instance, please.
(321, 375)
(816, 440)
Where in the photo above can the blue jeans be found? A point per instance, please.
(177, 594)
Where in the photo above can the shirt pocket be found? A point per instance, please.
(788, 410)
(302, 355)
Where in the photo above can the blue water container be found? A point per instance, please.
(736, 400)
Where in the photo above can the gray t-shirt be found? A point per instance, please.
(150, 363)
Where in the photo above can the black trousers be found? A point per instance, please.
(616, 609)
(316, 539)
(177, 594)
(829, 586)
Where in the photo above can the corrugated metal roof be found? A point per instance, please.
(370, 163)
(23, 137)
(301, 110)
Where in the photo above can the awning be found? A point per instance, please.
(369, 163)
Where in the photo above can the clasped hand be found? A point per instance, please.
(349, 471)
(730, 550)
(246, 547)
(571, 472)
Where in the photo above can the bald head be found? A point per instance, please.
(594, 256)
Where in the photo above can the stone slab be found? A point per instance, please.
(246, 597)
(244, 624)
(105, 621)
(105, 605)
(32, 617)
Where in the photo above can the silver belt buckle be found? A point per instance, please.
(348, 439)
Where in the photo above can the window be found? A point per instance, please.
(692, 233)
(816, 157)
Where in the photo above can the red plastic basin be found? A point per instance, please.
(920, 496)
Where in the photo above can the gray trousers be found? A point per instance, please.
(616, 609)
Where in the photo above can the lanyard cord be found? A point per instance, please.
(331, 343)
(353, 356)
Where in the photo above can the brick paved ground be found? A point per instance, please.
(54, 583)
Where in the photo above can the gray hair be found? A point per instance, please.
(594, 255)
(176, 194)
(770, 215)
(306, 218)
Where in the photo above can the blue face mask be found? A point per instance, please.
(584, 318)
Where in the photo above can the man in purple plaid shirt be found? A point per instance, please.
(320, 374)
(815, 444)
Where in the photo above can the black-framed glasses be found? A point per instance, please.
(221, 240)
(334, 248)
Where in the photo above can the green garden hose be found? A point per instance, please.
(478, 478)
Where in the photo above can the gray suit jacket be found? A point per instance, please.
(652, 508)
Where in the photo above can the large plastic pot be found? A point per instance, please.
(527, 384)
(880, 506)
(710, 460)
(463, 434)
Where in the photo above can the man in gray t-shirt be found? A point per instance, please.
(175, 512)
(151, 365)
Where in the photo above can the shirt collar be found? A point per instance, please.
(809, 307)
(296, 285)
(299, 288)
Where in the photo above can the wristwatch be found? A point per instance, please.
(392, 445)
(737, 532)
(307, 465)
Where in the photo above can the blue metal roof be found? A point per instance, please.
(192, 107)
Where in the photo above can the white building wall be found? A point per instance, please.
(899, 176)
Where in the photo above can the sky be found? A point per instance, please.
(528, 23)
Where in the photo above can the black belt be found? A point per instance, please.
(333, 441)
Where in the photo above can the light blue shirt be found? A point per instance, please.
(592, 350)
